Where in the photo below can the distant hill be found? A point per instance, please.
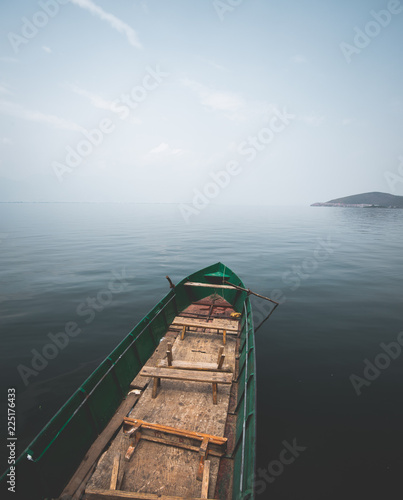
(365, 200)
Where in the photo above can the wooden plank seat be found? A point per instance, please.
(209, 377)
(201, 443)
(195, 365)
(209, 285)
(169, 362)
(225, 325)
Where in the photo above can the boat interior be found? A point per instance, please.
(174, 434)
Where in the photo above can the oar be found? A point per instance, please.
(249, 292)
(171, 285)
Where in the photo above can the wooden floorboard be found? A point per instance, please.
(166, 471)
(98, 446)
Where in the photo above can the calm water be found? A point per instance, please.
(338, 273)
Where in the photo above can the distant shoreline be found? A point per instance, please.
(364, 200)
(350, 205)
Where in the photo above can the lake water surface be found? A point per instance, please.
(338, 273)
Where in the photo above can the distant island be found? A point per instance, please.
(365, 200)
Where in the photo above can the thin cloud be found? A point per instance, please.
(18, 111)
(114, 21)
(235, 107)
(313, 119)
(96, 100)
(47, 49)
(99, 102)
(214, 99)
(162, 151)
(160, 148)
(6, 141)
(216, 66)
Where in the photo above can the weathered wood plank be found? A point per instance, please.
(132, 447)
(203, 452)
(78, 495)
(206, 479)
(220, 362)
(169, 470)
(215, 324)
(187, 375)
(220, 353)
(115, 472)
(186, 365)
(208, 285)
(141, 425)
(141, 382)
(215, 393)
(178, 444)
(95, 494)
(169, 354)
(155, 386)
(229, 324)
(99, 445)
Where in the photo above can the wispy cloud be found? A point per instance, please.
(216, 66)
(47, 49)
(312, 119)
(162, 151)
(214, 99)
(14, 109)
(99, 102)
(95, 99)
(233, 105)
(6, 141)
(113, 21)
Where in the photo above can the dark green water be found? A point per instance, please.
(338, 273)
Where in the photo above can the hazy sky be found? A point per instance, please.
(298, 101)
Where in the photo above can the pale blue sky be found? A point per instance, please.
(212, 78)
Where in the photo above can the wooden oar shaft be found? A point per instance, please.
(250, 292)
(266, 318)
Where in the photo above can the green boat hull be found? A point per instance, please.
(60, 447)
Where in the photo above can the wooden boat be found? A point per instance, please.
(169, 414)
